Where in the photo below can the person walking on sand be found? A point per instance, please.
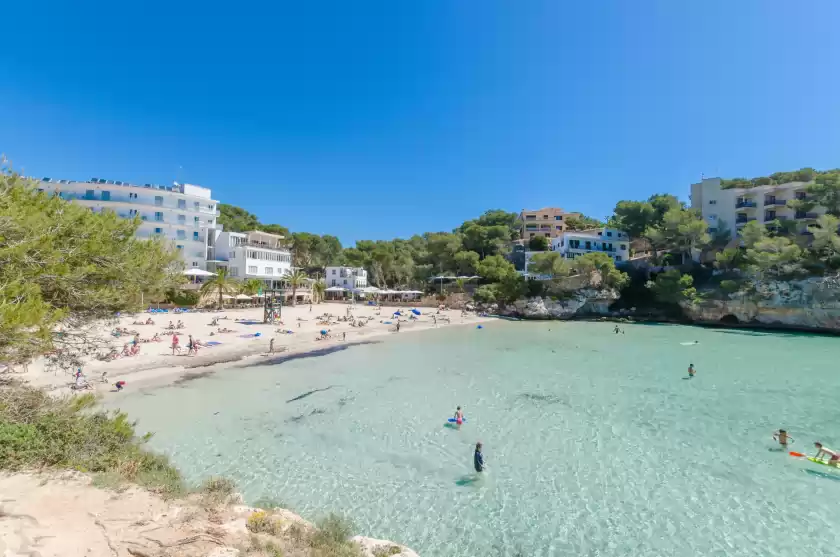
(175, 344)
(191, 347)
(271, 346)
(691, 370)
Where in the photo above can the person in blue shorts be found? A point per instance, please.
(478, 458)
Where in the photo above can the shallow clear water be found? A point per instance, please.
(596, 443)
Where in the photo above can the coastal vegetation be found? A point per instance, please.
(40, 431)
(802, 175)
(62, 265)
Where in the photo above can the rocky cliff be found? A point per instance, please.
(584, 302)
(812, 303)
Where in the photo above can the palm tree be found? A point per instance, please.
(318, 289)
(296, 280)
(252, 286)
(220, 284)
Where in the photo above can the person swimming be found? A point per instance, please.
(782, 437)
(478, 458)
(834, 457)
(459, 417)
(691, 370)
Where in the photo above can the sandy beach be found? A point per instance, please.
(249, 340)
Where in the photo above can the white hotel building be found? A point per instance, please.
(182, 213)
(613, 242)
(346, 277)
(255, 254)
(733, 208)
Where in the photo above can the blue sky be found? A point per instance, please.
(379, 119)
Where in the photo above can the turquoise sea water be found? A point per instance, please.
(596, 443)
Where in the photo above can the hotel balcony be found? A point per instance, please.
(802, 215)
(775, 202)
(742, 222)
(745, 203)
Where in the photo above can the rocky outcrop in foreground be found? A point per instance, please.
(584, 302)
(63, 515)
(812, 303)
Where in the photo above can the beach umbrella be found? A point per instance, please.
(242, 297)
(323, 331)
(227, 297)
(198, 273)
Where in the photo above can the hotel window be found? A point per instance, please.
(333, 273)
(234, 272)
(618, 258)
(158, 230)
(623, 246)
(269, 270)
(180, 248)
(195, 263)
(558, 217)
(158, 201)
(713, 202)
(252, 269)
(609, 234)
(158, 216)
(89, 194)
(181, 235)
(195, 236)
(182, 219)
(196, 206)
(106, 196)
(195, 222)
(182, 204)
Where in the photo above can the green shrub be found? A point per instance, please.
(729, 286)
(261, 522)
(332, 538)
(386, 550)
(266, 547)
(182, 297)
(40, 431)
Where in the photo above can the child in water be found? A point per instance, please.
(478, 458)
(459, 417)
(782, 437)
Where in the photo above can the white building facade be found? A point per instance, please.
(613, 242)
(252, 255)
(346, 277)
(184, 214)
(733, 208)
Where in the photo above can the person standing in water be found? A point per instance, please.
(478, 458)
(782, 437)
(459, 417)
(691, 370)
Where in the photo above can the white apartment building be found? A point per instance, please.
(611, 241)
(733, 208)
(346, 277)
(182, 213)
(254, 254)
